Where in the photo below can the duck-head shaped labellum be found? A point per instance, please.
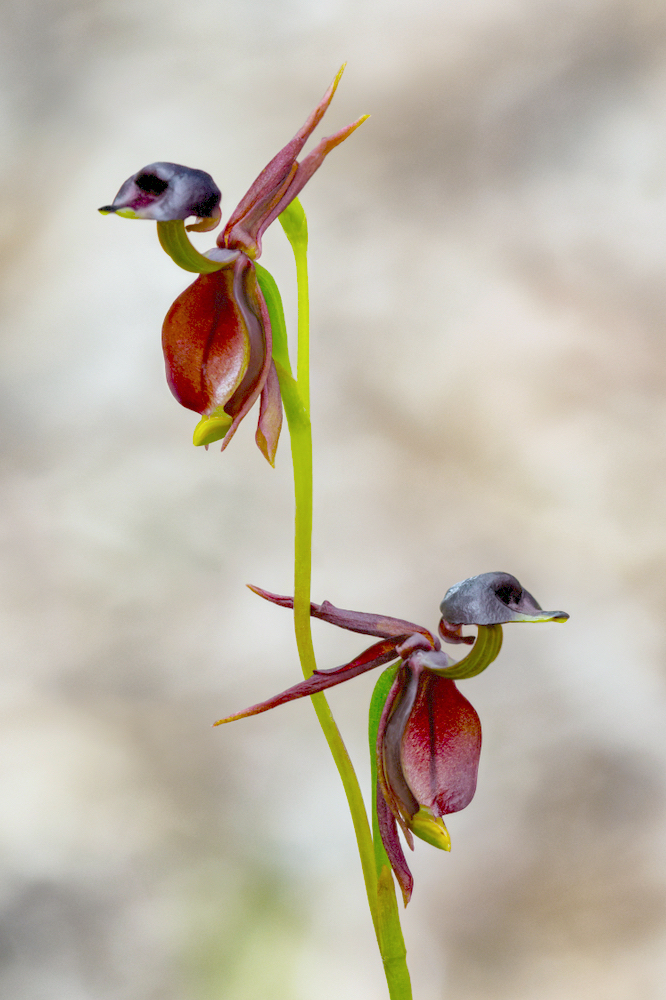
(165, 192)
(493, 599)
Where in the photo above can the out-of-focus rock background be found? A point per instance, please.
(489, 366)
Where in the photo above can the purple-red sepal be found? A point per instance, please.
(376, 656)
(388, 830)
(354, 621)
(281, 181)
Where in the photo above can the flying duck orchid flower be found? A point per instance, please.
(217, 337)
(427, 737)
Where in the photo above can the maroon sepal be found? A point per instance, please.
(376, 656)
(270, 416)
(354, 621)
(395, 790)
(280, 182)
(389, 833)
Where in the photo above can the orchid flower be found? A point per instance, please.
(428, 739)
(217, 337)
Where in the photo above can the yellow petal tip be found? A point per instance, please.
(211, 429)
(431, 829)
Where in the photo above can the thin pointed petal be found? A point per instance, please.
(389, 833)
(353, 621)
(306, 169)
(270, 416)
(280, 181)
(251, 301)
(394, 717)
(272, 182)
(377, 655)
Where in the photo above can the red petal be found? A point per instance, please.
(377, 655)
(206, 343)
(392, 846)
(270, 416)
(441, 746)
(353, 621)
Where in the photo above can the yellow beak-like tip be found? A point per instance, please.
(431, 829)
(211, 429)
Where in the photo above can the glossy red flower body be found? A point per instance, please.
(427, 758)
(217, 343)
(428, 745)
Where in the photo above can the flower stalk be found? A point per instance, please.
(226, 349)
(378, 884)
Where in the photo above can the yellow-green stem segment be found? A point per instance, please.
(296, 398)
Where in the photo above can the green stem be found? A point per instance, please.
(378, 878)
(377, 874)
(300, 431)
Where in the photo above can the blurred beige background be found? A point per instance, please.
(489, 366)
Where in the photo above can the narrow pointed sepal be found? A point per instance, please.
(242, 229)
(309, 165)
(270, 416)
(255, 311)
(376, 656)
(280, 181)
(389, 833)
(353, 621)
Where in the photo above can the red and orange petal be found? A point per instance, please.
(206, 343)
(441, 745)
